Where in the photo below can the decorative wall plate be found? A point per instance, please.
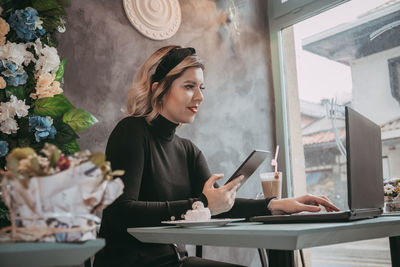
(155, 19)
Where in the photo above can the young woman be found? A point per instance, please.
(164, 173)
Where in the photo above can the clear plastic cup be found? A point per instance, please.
(272, 187)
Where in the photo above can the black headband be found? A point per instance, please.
(170, 61)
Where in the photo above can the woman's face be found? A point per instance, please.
(181, 103)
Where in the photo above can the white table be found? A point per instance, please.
(278, 236)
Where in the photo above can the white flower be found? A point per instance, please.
(48, 58)
(38, 24)
(6, 112)
(19, 107)
(9, 126)
(61, 27)
(388, 189)
(16, 53)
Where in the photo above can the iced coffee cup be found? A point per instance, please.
(271, 184)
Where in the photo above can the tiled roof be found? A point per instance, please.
(322, 137)
(329, 136)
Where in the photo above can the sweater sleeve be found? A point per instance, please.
(127, 150)
(199, 171)
(246, 208)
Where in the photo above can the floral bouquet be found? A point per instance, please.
(33, 108)
(392, 194)
(54, 198)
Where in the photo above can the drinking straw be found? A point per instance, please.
(274, 162)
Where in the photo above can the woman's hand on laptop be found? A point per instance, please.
(298, 204)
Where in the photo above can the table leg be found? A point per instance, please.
(263, 257)
(303, 262)
(199, 251)
(395, 250)
(281, 258)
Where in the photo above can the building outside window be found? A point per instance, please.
(347, 55)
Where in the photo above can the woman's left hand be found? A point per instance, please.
(299, 204)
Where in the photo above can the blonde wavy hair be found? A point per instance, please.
(143, 101)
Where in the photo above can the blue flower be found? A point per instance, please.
(13, 74)
(18, 79)
(39, 123)
(11, 66)
(3, 148)
(43, 128)
(26, 23)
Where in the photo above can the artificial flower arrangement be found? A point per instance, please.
(33, 108)
(392, 194)
(53, 197)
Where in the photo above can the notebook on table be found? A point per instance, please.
(364, 176)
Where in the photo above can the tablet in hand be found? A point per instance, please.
(250, 165)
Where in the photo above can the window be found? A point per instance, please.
(394, 74)
(347, 55)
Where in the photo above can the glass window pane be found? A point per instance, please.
(349, 55)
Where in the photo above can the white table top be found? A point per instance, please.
(273, 236)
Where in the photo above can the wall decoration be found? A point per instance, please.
(155, 19)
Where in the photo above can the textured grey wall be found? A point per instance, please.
(104, 51)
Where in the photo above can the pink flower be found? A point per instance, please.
(46, 87)
(4, 29)
(3, 83)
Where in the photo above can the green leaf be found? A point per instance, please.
(79, 119)
(64, 2)
(4, 215)
(60, 71)
(50, 23)
(3, 96)
(52, 106)
(8, 5)
(65, 134)
(24, 142)
(18, 91)
(23, 131)
(70, 148)
(43, 5)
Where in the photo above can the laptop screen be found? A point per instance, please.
(364, 162)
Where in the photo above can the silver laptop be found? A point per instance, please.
(364, 176)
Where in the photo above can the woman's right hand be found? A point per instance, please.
(221, 199)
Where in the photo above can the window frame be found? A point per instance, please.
(280, 16)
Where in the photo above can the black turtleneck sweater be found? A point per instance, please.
(164, 175)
